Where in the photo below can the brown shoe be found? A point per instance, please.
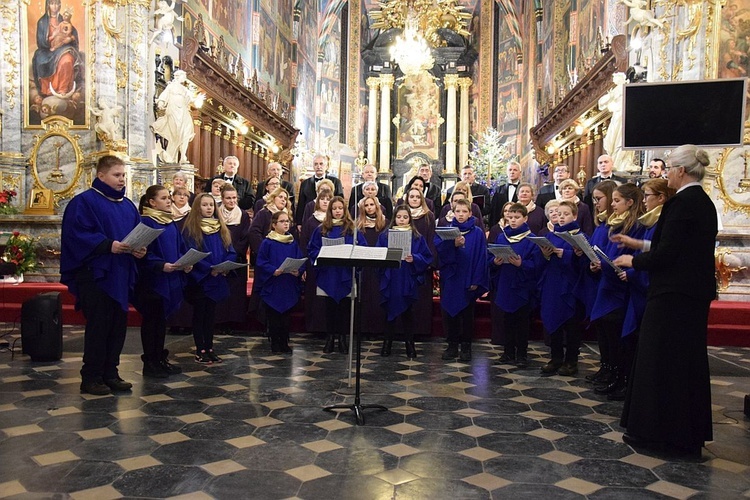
(568, 369)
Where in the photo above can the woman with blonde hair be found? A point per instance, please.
(569, 192)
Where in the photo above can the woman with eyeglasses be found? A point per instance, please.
(668, 401)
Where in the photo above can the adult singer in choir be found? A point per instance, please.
(371, 222)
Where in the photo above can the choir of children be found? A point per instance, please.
(551, 274)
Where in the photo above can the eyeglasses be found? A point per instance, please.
(597, 198)
(646, 195)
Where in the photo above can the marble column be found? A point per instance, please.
(463, 124)
(372, 120)
(451, 82)
(386, 82)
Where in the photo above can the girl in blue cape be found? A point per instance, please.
(399, 287)
(464, 277)
(206, 232)
(160, 282)
(280, 291)
(334, 282)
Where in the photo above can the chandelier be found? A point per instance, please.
(410, 50)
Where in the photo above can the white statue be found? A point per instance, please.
(612, 142)
(641, 15)
(166, 18)
(106, 126)
(176, 125)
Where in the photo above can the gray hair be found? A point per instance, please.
(230, 158)
(369, 183)
(181, 175)
(692, 158)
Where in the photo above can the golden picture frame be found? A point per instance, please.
(41, 202)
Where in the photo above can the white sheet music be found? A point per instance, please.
(228, 265)
(400, 239)
(336, 251)
(371, 253)
(580, 242)
(330, 242)
(191, 258)
(606, 259)
(503, 251)
(447, 233)
(291, 264)
(141, 236)
(541, 242)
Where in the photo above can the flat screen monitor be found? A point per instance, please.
(709, 113)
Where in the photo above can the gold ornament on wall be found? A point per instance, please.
(733, 178)
(56, 160)
(432, 15)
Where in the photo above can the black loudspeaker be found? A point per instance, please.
(41, 327)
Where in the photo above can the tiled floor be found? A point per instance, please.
(253, 427)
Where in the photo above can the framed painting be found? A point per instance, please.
(418, 120)
(55, 45)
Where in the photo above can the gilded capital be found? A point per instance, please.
(451, 81)
(386, 81)
(464, 82)
(373, 83)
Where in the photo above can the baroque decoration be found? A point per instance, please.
(431, 16)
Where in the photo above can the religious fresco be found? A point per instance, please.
(55, 41)
(734, 40)
(329, 90)
(591, 17)
(418, 120)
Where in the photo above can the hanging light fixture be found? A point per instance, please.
(411, 51)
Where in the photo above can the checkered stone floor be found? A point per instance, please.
(253, 427)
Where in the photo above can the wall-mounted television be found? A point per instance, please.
(708, 113)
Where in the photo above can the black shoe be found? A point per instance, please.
(343, 344)
(213, 357)
(118, 384)
(275, 345)
(385, 351)
(284, 347)
(154, 370)
(551, 368)
(95, 387)
(328, 348)
(167, 366)
(594, 377)
(465, 351)
(202, 358)
(609, 388)
(618, 394)
(568, 369)
(505, 360)
(451, 352)
(522, 362)
(411, 350)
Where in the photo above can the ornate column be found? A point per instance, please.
(386, 82)
(372, 120)
(463, 124)
(451, 82)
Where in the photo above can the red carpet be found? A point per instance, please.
(729, 322)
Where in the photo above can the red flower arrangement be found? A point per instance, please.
(6, 197)
(20, 251)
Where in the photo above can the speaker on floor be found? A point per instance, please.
(41, 327)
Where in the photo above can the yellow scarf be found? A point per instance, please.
(281, 238)
(159, 216)
(615, 220)
(231, 217)
(517, 238)
(401, 228)
(210, 225)
(337, 222)
(601, 217)
(651, 217)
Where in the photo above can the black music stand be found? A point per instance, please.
(392, 259)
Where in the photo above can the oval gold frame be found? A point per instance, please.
(57, 126)
(724, 193)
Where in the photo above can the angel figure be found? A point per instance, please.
(175, 126)
(106, 126)
(641, 15)
(166, 17)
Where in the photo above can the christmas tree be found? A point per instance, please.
(489, 156)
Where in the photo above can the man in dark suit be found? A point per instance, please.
(245, 194)
(479, 192)
(432, 190)
(505, 192)
(550, 192)
(307, 191)
(369, 173)
(604, 165)
(274, 169)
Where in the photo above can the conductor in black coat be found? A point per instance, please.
(245, 194)
(369, 173)
(307, 187)
(505, 192)
(668, 402)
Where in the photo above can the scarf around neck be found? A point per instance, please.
(571, 228)
(369, 221)
(319, 216)
(159, 216)
(616, 220)
(651, 217)
(531, 206)
(231, 217)
(517, 234)
(337, 222)
(106, 191)
(417, 213)
(210, 225)
(281, 238)
(466, 226)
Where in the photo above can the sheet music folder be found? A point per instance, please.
(358, 256)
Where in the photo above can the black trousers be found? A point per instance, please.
(565, 342)
(153, 325)
(517, 327)
(407, 323)
(337, 316)
(204, 315)
(106, 326)
(609, 329)
(278, 323)
(460, 328)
